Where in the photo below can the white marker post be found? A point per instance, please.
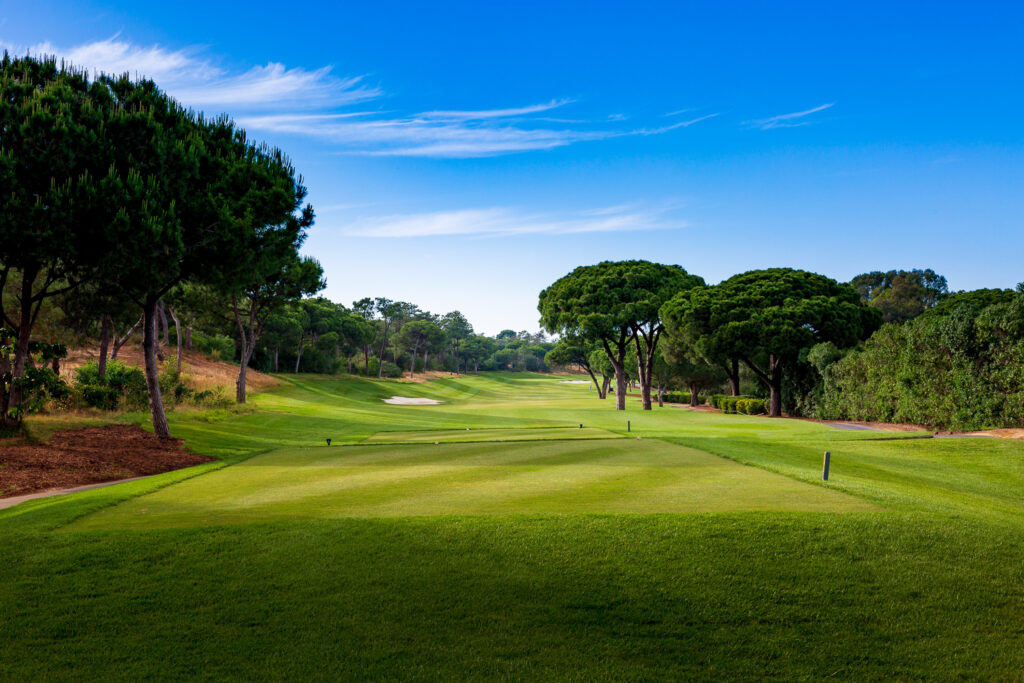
(824, 467)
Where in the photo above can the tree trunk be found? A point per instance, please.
(276, 349)
(165, 330)
(771, 379)
(593, 377)
(101, 364)
(412, 367)
(21, 347)
(732, 369)
(298, 354)
(177, 334)
(118, 343)
(618, 361)
(694, 390)
(645, 380)
(162, 321)
(661, 399)
(188, 337)
(240, 382)
(380, 356)
(606, 382)
(476, 366)
(149, 344)
(775, 384)
(349, 360)
(425, 354)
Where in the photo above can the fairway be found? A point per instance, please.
(464, 435)
(540, 477)
(523, 548)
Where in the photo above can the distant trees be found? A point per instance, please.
(901, 294)
(616, 304)
(575, 351)
(277, 280)
(478, 348)
(420, 334)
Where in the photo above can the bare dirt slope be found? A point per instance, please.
(87, 456)
(199, 371)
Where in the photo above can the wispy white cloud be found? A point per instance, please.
(502, 221)
(680, 124)
(276, 99)
(420, 136)
(477, 115)
(790, 120)
(198, 82)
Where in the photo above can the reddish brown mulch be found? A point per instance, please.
(76, 457)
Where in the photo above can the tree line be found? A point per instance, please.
(889, 346)
(125, 214)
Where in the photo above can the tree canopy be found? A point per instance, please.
(613, 303)
(901, 294)
(765, 318)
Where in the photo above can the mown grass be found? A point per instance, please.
(708, 550)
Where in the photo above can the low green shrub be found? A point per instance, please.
(218, 346)
(676, 396)
(752, 406)
(390, 369)
(742, 405)
(123, 385)
(211, 398)
(39, 387)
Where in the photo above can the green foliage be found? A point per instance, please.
(40, 386)
(766, 318)
(123, 386)
(742, 405)
(901, 295)
(959, 366)
(217, 346)
(389, 370)
(676, 397)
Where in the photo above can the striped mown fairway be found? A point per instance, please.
(465, 435)
(598, 476)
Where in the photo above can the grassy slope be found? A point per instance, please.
(926, 581)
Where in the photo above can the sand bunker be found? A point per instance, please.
(406, 401)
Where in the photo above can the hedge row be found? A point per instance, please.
(676, 396)
(742, 405)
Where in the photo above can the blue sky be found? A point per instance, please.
(465, 155)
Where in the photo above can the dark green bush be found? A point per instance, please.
(958, 366)
(122, 384)
(219, 346)
(743, 405)
(751, 406)
(39, 387)
(390, 369)
(676, 397)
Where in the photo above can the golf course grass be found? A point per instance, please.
(523, 548)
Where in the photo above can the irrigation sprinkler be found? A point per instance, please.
(824, 466)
